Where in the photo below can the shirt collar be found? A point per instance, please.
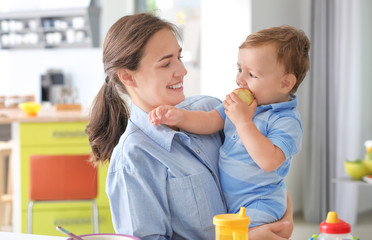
(160, 134)
(292, 103)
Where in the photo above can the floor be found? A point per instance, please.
(304, 230)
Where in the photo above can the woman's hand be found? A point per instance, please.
(279, 230)
(269, 231)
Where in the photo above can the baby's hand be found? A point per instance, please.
(165, 114)
(238, 111)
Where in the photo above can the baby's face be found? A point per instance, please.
(260, 72)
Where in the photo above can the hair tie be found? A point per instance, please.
(107, 79)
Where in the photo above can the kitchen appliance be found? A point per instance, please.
(54, 89)
(52, 84)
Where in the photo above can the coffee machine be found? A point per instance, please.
(52, 84)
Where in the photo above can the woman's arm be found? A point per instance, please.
(279, 230)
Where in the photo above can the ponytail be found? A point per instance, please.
(122, 49)
(108, 120)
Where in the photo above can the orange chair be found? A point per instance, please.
(62, 178)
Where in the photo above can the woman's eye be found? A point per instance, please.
(166, 65)
(252, 75)
(239, 69)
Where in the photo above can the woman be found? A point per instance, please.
(162, 183)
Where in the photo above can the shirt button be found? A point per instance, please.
(197, 151)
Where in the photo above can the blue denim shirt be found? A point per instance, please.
(164, 184)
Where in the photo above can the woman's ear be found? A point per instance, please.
(125, 76)
(287, 82)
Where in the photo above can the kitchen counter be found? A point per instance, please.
(49, 114)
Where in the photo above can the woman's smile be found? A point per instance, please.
(177, 86)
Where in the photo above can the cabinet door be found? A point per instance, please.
(41, 139)
(76, 220)
(54, 134)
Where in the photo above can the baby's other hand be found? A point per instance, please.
(165, 114)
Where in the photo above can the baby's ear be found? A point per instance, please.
(287, 82)
(125, 76)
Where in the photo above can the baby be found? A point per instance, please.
(260, 138)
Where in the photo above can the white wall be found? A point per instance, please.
(21, 70)
(223, 28)
(112, 10)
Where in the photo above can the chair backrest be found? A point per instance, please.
(62, 177)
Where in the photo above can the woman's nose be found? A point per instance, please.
(181, 70)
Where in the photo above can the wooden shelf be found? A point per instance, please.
(349, 180)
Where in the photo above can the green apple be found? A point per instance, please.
(367, 162)
(355, 169)
(245, 95)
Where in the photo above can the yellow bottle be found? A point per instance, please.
(232, 226)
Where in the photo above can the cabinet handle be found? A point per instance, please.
(68, 134)
(74, 221)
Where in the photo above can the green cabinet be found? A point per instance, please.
(59, 138)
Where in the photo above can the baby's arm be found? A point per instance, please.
(265, 154)
(198, 122)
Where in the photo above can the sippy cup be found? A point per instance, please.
(333, 229)
(231, 226)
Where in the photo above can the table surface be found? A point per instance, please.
(23, 236)
(349, 180)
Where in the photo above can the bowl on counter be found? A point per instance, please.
(106, 236)
(30, 108)
(355, 169)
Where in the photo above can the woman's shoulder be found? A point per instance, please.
(200, 102)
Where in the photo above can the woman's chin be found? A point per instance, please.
(179, 99)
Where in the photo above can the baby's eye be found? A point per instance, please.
(252, 75)
(239, 69)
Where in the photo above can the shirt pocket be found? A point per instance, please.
(194, 201)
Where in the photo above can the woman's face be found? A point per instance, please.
(159, 78)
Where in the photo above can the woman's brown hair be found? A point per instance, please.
(293, 48)
(123, 48)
